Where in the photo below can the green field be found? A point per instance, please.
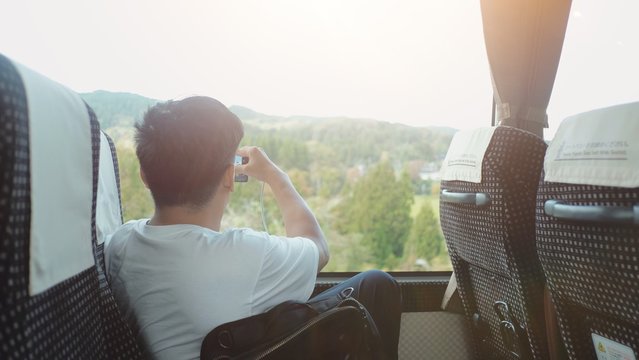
(420, 200)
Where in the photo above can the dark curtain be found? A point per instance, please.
(524, 39)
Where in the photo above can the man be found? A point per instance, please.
(176, 276)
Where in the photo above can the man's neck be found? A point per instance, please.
(208, 216)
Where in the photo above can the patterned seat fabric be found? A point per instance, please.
(592, 269)
(492, 248)
(75, 318)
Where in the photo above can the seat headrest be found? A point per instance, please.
(599, 147)
(62, 162)
(108, 213)
(465, 155)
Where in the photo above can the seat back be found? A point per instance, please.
(54, 299)
(588, 232)
(487, 212)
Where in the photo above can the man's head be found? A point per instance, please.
(185, 147)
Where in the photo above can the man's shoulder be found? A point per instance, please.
(119, 237)
(249, 238)
(115, 244)
(246, 237)
(127, 227)
(245, 234)
(283, 245)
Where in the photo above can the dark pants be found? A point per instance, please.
(382, 297)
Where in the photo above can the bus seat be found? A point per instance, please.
(54, 299)
(108, 219)
(588, 232)
(487, 212)
(108, 215)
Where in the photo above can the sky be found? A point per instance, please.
(412, 61)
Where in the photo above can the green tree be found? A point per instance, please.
(378, 207)
(426, 236)
(136, 199)
(286, 152)
(302, 182)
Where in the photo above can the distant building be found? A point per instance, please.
(355, 173)
(414, 168)
(430, 171)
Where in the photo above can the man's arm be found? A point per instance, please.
(298, 218)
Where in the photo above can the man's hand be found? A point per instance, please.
(298, 218)
(259, 165)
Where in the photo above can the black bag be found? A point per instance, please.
(292, 330)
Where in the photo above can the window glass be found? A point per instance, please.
(356, 100)
(598, 66)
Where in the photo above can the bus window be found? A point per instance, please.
(307, 80)
(598, 66)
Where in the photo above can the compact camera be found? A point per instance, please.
(240, 160)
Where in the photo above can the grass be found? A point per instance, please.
(420, 200)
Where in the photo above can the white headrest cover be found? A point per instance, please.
(108, 217)
(600, 147)
(61, 182)
(465, 155)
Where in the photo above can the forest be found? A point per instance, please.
(372, 185)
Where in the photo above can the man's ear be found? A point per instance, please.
(143, 177)
(228, 178)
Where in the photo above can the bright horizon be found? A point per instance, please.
(421, 63)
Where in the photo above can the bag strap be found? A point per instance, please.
(369, 319)
(274, 326)
(235, 336)
(335, 315)
(343, 299)
(374, 339)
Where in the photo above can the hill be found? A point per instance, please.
(345, 142)
(117, 108)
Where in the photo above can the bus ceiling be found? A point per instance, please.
(524, 39)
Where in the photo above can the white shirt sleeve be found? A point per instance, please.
(289, 271)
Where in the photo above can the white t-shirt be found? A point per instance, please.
(179, 282)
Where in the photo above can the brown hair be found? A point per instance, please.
(184, 147)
